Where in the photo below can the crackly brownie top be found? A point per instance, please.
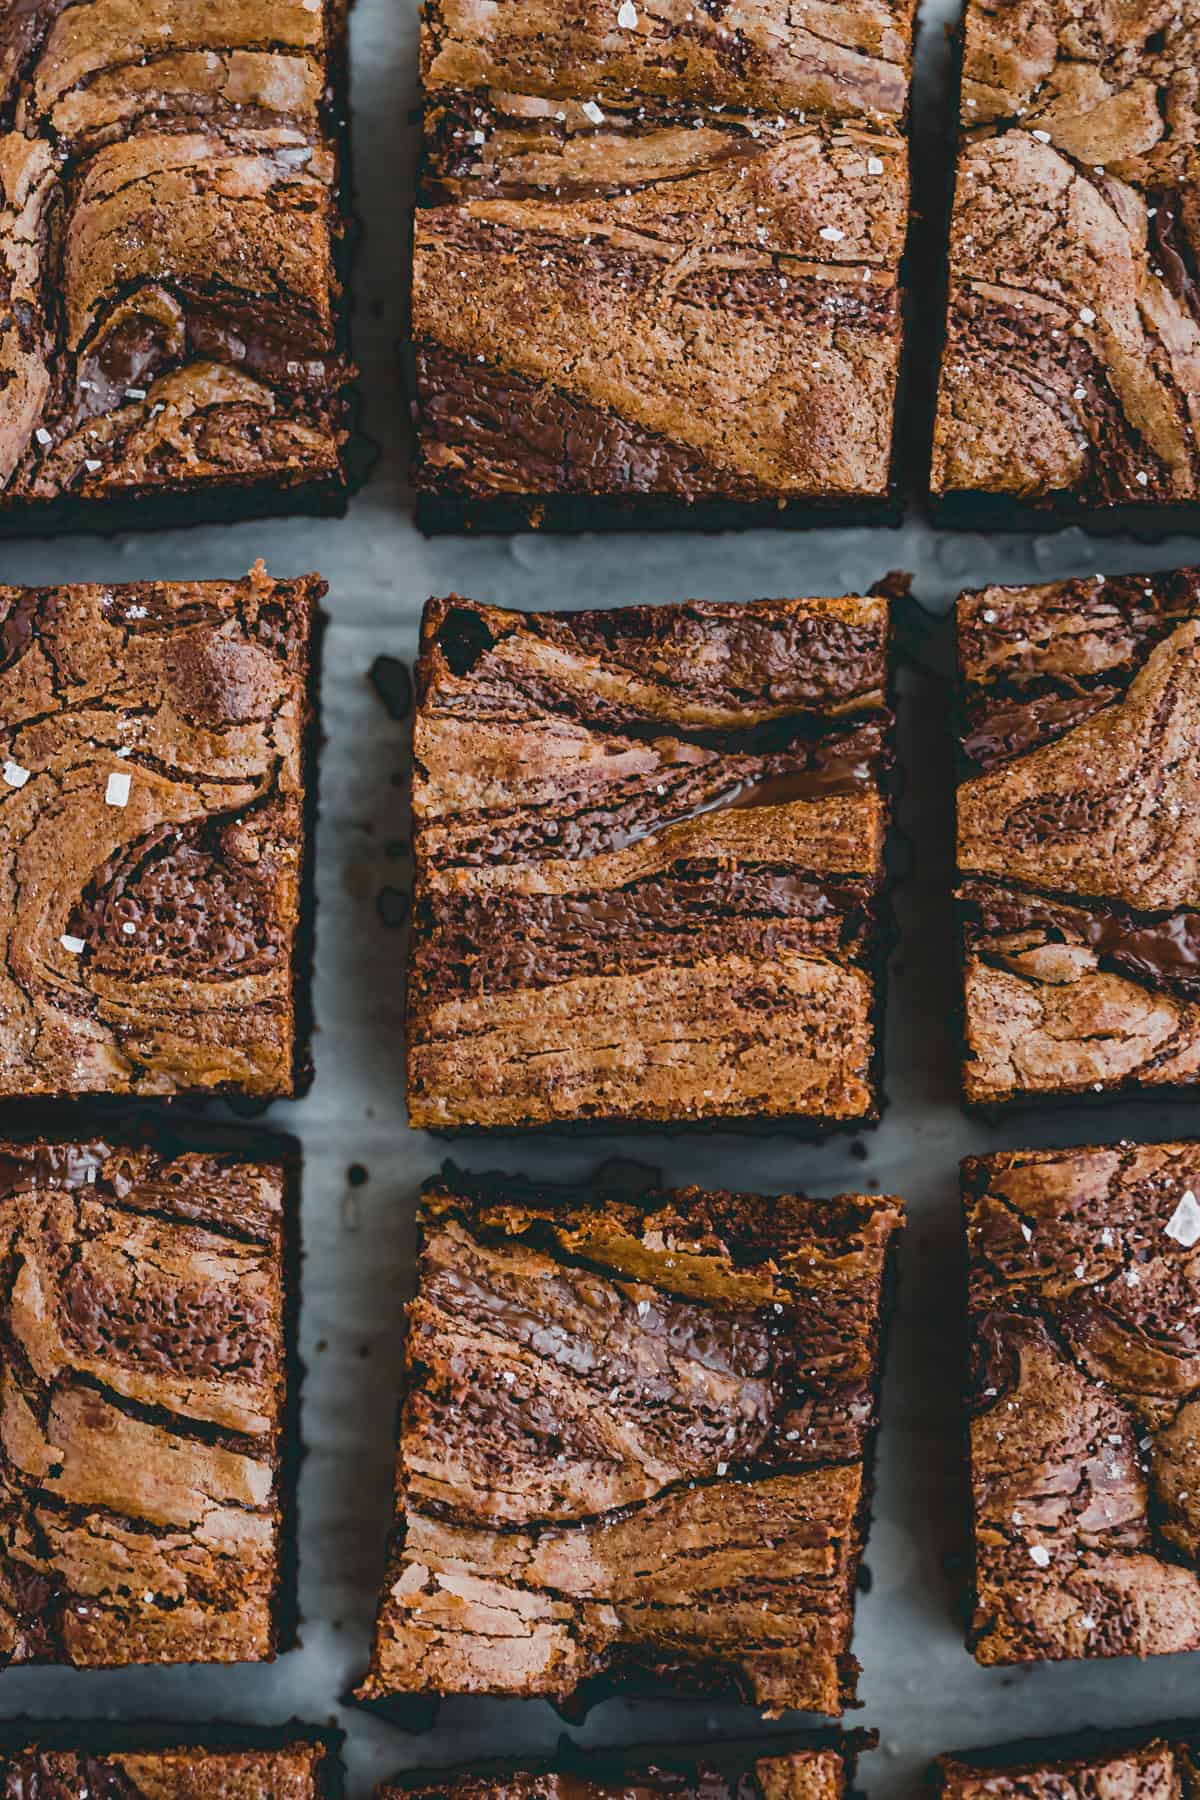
(143, 1374)
(1149, 1772)
(151, 830)
(633, 1440)
(711, 1329)
(190, 1772)
(646, 809)
(1074, 327)
(1109, 84)
(843, 59)
(626, 215)
(167, 226)
(802, 1775)
(1085, 1437)
(1082, 716)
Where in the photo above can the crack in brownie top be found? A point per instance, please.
(659, 254)
(664, 822)
(1072, 360)
(1085, 1430)
(151, 835)
(634, 1438)
(1079, 834)
(168, 222)
(142, 1370)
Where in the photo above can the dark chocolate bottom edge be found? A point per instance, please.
(168, 512)
(1146, 522)
(101, 1737)
(619, 1766)
(439, 514)
(795, 1126)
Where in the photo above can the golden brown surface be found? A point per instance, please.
(1079, 835)
(1072, 363)
(1085, 1435)
(633, 1438)
(152, 836)
(648, 844)
(141, 1406)
(660, 255)
(168, 220)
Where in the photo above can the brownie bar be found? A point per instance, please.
(659, 829)
(656, 262)
(1078, 836)
(634, 1443)
(106, 1762)
(145, 1454)
(1084, 1296)
(169, 225)
(1071, 370)
(819, 1771)
(1149, 1766)
(154, 781)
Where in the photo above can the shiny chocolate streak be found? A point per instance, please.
(1005, 731)
(1162, 952)
(481, 843)
(500, 942)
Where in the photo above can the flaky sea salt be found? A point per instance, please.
(1039, 1554)
(117, 791)
(14, 774)
(1184, 1223)
(75, 945)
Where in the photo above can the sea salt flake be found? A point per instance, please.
(1132, 1278)
(1184, 1223)
(722, 1468)
(1086, 316)
(117, 791)
(14, 774)
(627, 17)
(92, 463)
(75, 945)
(874, 165)
(1142, 479)
(1043, 137)
(831, 234)
(1039, 1554)
(42, 436)
(1088, 1623)
(594, 112)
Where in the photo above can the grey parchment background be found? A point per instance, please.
(919, 1686)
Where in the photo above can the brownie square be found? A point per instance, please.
(634, 1444)
(1077, 836)
(169, 226)
(106, 1762)
(1084, 1296)
(1075, 1768)
(649, 855)
(145, 1375)
(657, 262)
(820, 1771)
(155, 795)
(1070, 374)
